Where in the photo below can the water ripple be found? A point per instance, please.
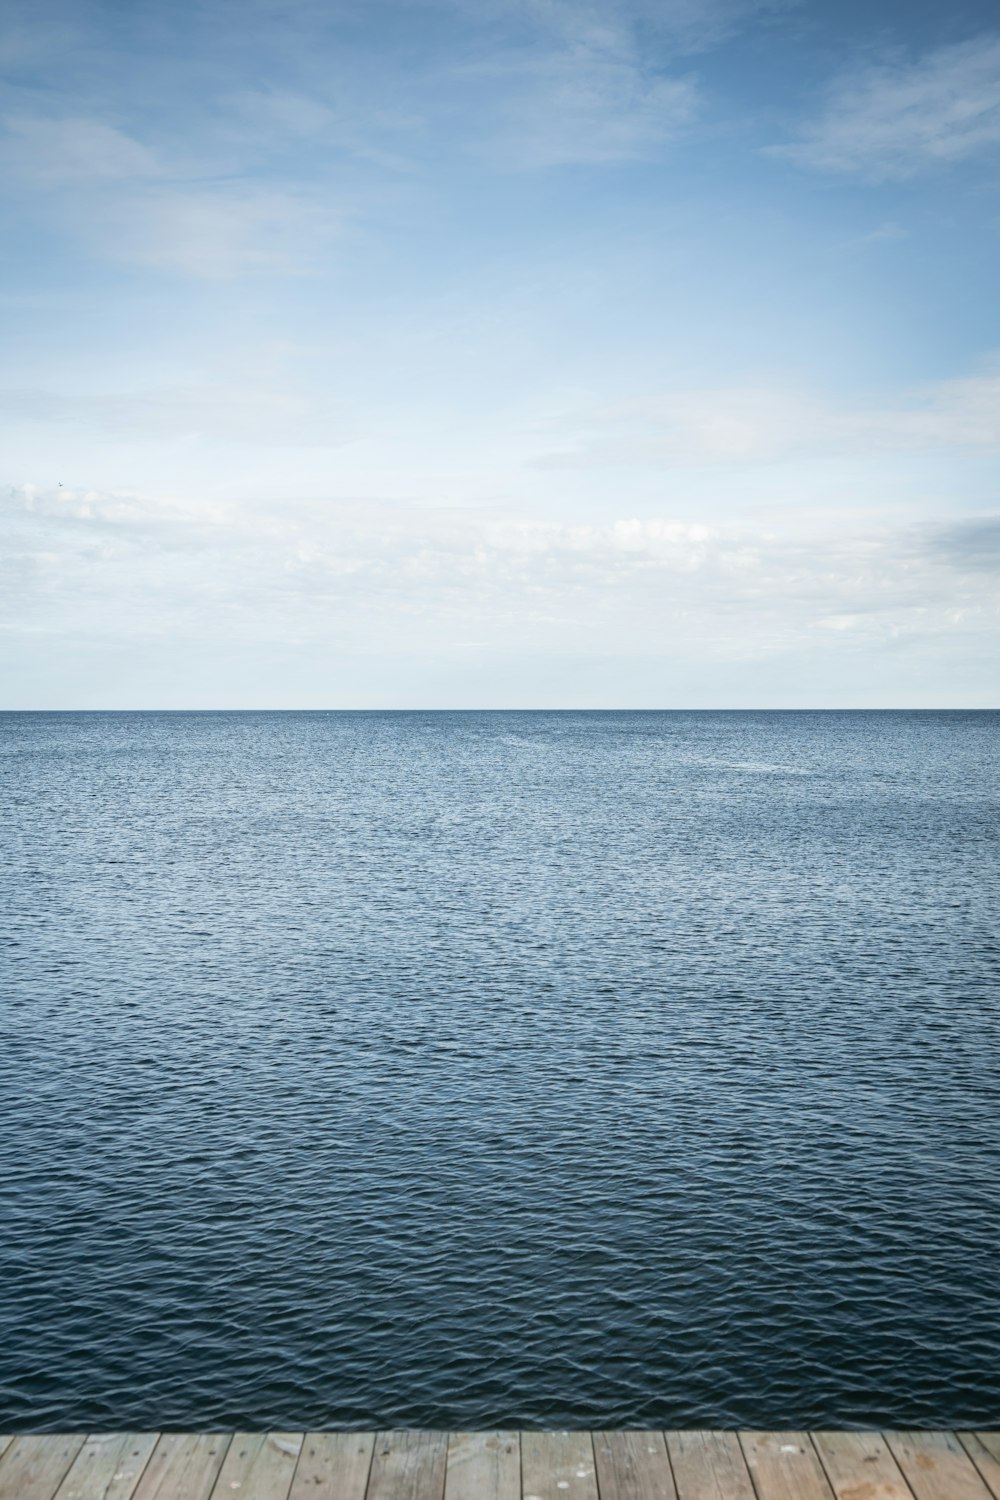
(474, 1070)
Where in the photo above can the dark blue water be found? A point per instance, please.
(462, 1069)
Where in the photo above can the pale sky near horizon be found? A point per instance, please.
(500, 353)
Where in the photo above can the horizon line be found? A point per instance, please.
(716, 709)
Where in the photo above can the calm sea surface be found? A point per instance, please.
(521, 1068)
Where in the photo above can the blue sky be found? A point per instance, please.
(509, 353)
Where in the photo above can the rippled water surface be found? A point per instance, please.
(461, 1069)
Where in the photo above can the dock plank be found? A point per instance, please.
(936, 1466)
(859, 1466)
(558, 1466)
(35, 1465)
(483, 1466)
(633, 1466)
(108, 1466)
(709, 1465)
(258, 1466)
(333, 1466)
(6, 1438)
(985, 1459)
(408, 1466)
(785, 1466)
(502, 1465)
(183, 1466)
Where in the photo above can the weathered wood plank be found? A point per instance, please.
(333, 1466)
(633, 1466)
(859, 1466)
(558, 1466)
(258, 1466)
(784, 1466)
(616, 1465)
(936, 1466)
(183, 1466)
(6, 1438)
(108, 1466)
(483, 1466)
(35, 1465)
(985, 1458)
(408, 1466)
(709, 1466)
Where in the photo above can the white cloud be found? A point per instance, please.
(94, 563)
(578, 87)
(287, 110)
(73, 150)
(219, 233)
(757, 425)
(896, 119)
(223, 410)
(136, 205)
(259, 416)
(685, 26)
(973, 543)
(593, 109)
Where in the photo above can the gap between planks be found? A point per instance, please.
(502, 1465)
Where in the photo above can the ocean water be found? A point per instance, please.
(505, 1068)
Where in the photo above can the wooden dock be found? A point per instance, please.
(702, 1465)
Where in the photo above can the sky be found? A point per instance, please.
(499, 353)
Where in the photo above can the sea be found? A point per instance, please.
(520, 1069)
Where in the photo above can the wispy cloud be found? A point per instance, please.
(520, 258)
(89, 561)
(219, 232)
(224, 410)
(589, 107)
(972, 543)
(72, 149)
(583, 83)
(273, 410)
(758, 424)
(235, 160)
(696, 427)
(895, 119)
(144, 206)
(684, 27)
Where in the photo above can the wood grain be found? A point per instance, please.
(483, 1466)
(859, 1466)
(108, 1466)
(258, 1466)
(785, 1465)
(558, 1466)
(183, 1466)
(633, 1466)
(936, 1466)
(709, 1466)
(496, 1465)
(408, 1466)
(333, 1466)
(34, 1466)
(986, 1459)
